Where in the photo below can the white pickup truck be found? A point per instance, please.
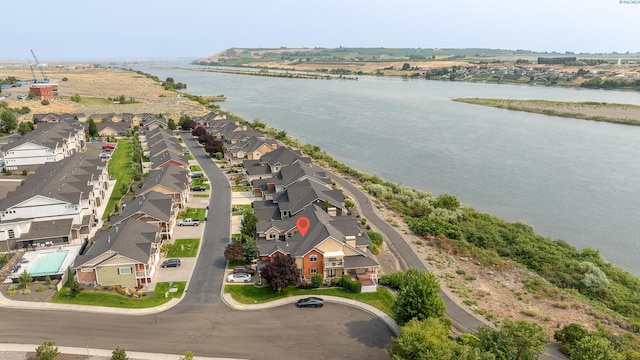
(188, 222)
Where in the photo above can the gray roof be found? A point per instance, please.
(132, 239)
(48, 229)
(119, 126)
(48, 134)
(64, 180)
(294, 172)
(154, 204)
(306, 192)
(171, 177)
(283, 156)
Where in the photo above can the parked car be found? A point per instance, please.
(196, 175)
(198, 188)
(310, 302)
(171, 263)
(240, 277)
(243, 270)
(188, 222)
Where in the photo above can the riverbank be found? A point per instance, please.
(606, 112)
(280, 74)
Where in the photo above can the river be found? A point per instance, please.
(570, 179)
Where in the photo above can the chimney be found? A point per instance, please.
(351, 240)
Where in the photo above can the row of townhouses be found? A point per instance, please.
(287, 186)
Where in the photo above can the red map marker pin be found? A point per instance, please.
(303, 225)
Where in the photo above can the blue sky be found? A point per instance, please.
(122, 29)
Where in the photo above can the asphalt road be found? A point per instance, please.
(202, 323)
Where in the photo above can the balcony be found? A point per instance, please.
(337, 263)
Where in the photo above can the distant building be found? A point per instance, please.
(44, 91)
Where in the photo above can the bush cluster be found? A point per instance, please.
(350, 285)
(394, 280)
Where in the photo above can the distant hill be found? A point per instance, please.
(244, 56)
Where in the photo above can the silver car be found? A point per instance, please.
(239, 277)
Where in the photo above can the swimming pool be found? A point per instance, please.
(48, 263)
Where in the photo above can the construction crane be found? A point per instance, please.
(45, 79)
(35, 80)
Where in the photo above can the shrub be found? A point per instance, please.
(304, 284)
(41, 288)
(394, 280)
(45, 102)
(336, 281)
(376, 237)
(363, 221)
(51, 286)
(47, 280)
(375, 249)
(13, 287)
(317, 280)
(461, 272)
(11, 292)
(470, 278)
(350, 285)
(26, 292)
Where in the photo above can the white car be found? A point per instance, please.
(239, 277)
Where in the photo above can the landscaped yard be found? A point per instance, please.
(239, 209)
(238, 188)
(195, 168)
(120, 169)
(201, 182)
(194, 213)
(250, 294)
(184, 248)
(113, 299)
(190, 157)
(200, 195)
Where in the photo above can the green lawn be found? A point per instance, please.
(194, 213)
(113, 299)
(200, 195)
(202, 182)
(241, 188)
(239, 209)
(249, 294)
(190, 157)
(195, 168)
(184, 248)
(120, 169)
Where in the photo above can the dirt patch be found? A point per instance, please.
(99, 83)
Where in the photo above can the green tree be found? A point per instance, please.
(248, 223)
(46, 351)
(281, 272)
(25, 278)
(119, 354)
(250, 249)
(418, 297)
(594, 347)
(93, 128)
(8, 121)
(446, 201)
(74, 288)
(519, 340)
(171, 125)
(188, 355)
(234, 252)
(25, 127)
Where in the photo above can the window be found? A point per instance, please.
(331, 273)
(11, 234)
(313, 258)
(272, 236)
(86, 270)
(313, 270)
(124, 270)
